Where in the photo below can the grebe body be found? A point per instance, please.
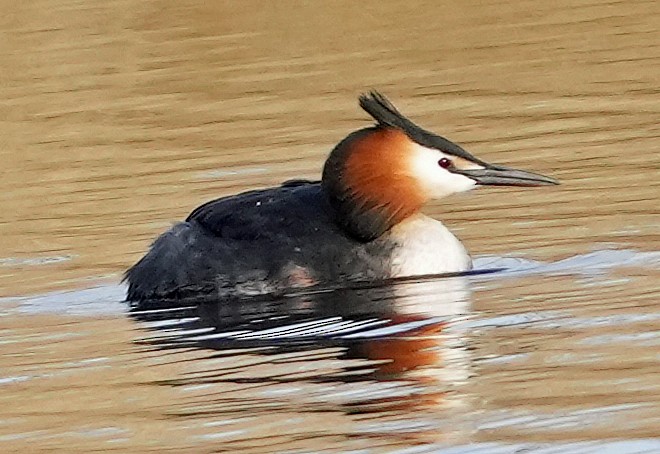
(361, 221)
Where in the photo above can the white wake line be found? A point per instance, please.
(108, 299)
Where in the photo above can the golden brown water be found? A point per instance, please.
(119, 117)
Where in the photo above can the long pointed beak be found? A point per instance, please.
(503, 176)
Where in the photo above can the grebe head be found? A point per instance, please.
(377, 177)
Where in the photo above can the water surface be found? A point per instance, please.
(118, 118)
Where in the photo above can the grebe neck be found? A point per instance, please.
(366, 182)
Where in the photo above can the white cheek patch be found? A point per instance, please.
(436, 181)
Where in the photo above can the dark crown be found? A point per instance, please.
(388, 116)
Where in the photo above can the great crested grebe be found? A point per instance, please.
(361, 221)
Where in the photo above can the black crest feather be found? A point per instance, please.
(387, 115)
(383, 111)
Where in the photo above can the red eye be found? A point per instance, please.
(444, 163)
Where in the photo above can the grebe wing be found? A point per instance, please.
(294, 209)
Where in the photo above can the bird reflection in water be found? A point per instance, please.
(382, 353)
